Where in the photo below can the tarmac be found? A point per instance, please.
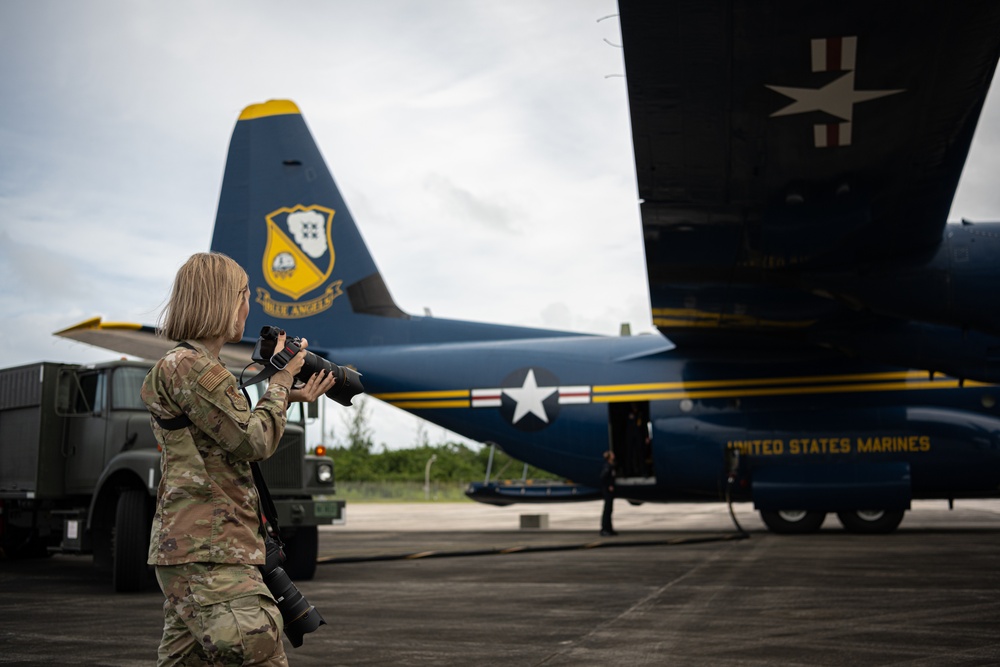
(464, 584)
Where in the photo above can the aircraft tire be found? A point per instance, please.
(130, 543)
(871, 522)
(793, 522)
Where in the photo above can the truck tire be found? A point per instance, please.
(301, 550)
(130, 542)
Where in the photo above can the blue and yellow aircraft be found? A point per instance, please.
(828, 344)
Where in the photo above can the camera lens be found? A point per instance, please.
(348, 381)
(299, 616)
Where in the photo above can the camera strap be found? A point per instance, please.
(269, 513)
(267, 507)
(268, 371)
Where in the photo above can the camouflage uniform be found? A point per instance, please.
(205, 539)
(215, 614)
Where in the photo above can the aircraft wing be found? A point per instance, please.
(141, 341)
(780, 141)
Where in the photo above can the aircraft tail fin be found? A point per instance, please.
(282, 217)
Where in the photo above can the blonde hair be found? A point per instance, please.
(205, 299)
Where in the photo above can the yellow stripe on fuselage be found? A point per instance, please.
(428, 405)
(779, 391)
(447, 393)
(416, 400)
(708, 389)
(756, 382)
(680, 318)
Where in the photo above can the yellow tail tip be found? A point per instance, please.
(270, 108)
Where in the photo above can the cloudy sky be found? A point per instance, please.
(483, 148)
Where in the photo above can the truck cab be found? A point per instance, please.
(79, 470)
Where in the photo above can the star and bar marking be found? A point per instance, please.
(530, 397)
(837, 98)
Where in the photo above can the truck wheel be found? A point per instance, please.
(301, 550)
(793, 522)
(130, 542)
(871, 522)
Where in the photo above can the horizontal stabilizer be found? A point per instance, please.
(141, 341)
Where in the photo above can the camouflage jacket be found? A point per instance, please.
(207, 509)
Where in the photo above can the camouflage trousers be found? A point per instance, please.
(218, 614)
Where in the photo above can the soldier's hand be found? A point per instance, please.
(298, 361)
(318, 384)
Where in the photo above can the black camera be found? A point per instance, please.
(348, 384)
(299, 616)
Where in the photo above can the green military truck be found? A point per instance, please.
(79, 468)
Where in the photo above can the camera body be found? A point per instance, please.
(348, 384)
(299, 616)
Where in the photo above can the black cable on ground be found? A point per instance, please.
(529, 549)
(729, 502)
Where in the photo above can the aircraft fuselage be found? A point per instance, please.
(555, 403)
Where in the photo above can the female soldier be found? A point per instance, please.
(205, 541)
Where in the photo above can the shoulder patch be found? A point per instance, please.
(213, 377)
(236, 398)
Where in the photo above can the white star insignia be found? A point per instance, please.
(529, 398)
(836, 98)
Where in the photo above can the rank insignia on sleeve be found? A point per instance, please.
(238, 400)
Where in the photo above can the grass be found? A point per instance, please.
(401, 492)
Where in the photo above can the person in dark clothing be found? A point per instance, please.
(636, 444)
(608, 491)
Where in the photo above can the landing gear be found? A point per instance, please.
(793, 522)
(871, 522)
(799, 522)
